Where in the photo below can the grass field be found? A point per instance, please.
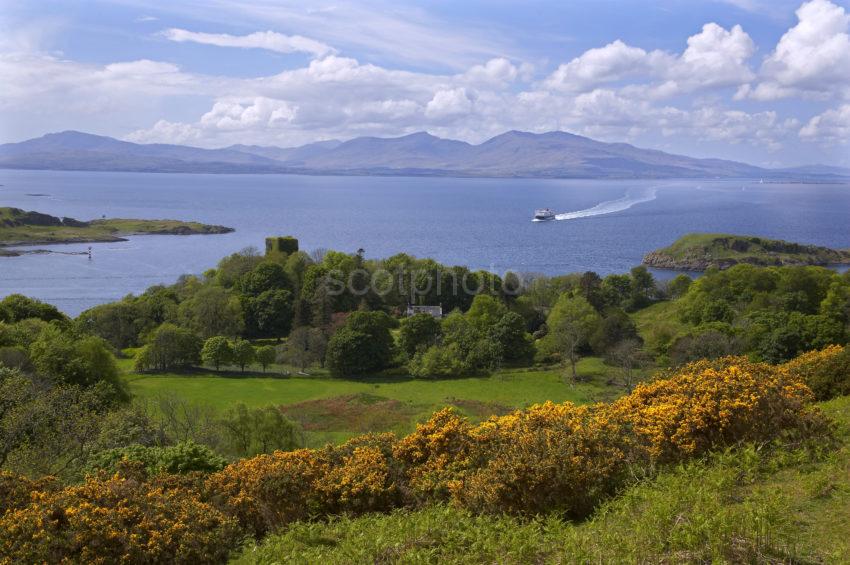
(332, 409)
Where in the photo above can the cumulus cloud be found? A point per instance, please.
(811, 58)
(832, 126)
(494, 73)
(448, 103)
(715, 57)
(257, 113)
(269, 40)
(597, 66)
(166, 132)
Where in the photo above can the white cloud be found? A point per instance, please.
(257, 113)
(714, 58)
(449, 103)
(494, 73)
(811, 58)
(269, 40)
(601, 65)
(832, 126)
(166, 132)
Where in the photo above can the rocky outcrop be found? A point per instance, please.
(699, 252)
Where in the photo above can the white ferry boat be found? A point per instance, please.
(544, 215)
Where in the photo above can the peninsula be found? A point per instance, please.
(20, 227)
(701, 251)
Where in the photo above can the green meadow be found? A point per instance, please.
(334, 409)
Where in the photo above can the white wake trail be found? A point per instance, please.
(632, 198)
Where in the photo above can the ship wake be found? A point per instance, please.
(633, 197)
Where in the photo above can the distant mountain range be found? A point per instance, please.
(512, 154)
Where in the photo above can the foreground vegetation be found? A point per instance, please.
(747, 505)
(559, 460)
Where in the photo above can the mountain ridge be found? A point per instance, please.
(514, 153)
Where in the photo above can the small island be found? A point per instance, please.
(20, 227)
(701, 251)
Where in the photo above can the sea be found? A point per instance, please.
(604, 226)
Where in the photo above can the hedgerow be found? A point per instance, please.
(550, 458)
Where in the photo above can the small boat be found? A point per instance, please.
(544, 215)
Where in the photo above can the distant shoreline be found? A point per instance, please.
(20, 228)
(444, 174)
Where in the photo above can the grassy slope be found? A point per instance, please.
(743, 507)
(351, 405)
(659, 324)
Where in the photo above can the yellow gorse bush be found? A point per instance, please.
(116, 520)
(826, 372)
(709, 404)
(547, 458)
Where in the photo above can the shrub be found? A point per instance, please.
(117, 520)
(185, 457)
(827, 372)
(436, 454)
(268, 491)
(712, 404)
(549, 458)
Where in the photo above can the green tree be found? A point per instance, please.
(419, 331)
(615, 327)
(352, 353)
(212, 311)
(485, 311)
(514, 341)
(616, 289)
(217, 351)
(269, 314)
(243, 353)
(571, 323)
(117, 323)
(233, 267)
(363, 345)
(266, 355)
(642, 288)
(17, 307)
(169, 347)
(83, 361)
(264, 277)
(679, 285)
(260, 430)
(298, 351)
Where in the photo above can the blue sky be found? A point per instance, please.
(762, 81)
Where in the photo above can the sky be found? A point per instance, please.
(761, 81)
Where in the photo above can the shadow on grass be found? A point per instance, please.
(223, 373)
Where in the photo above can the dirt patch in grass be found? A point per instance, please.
(479, 409)
(360, 413)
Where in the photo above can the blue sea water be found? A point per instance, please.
(604, 226)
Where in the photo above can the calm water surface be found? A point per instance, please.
(607, 226)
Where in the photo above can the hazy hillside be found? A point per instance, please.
(514, 153)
